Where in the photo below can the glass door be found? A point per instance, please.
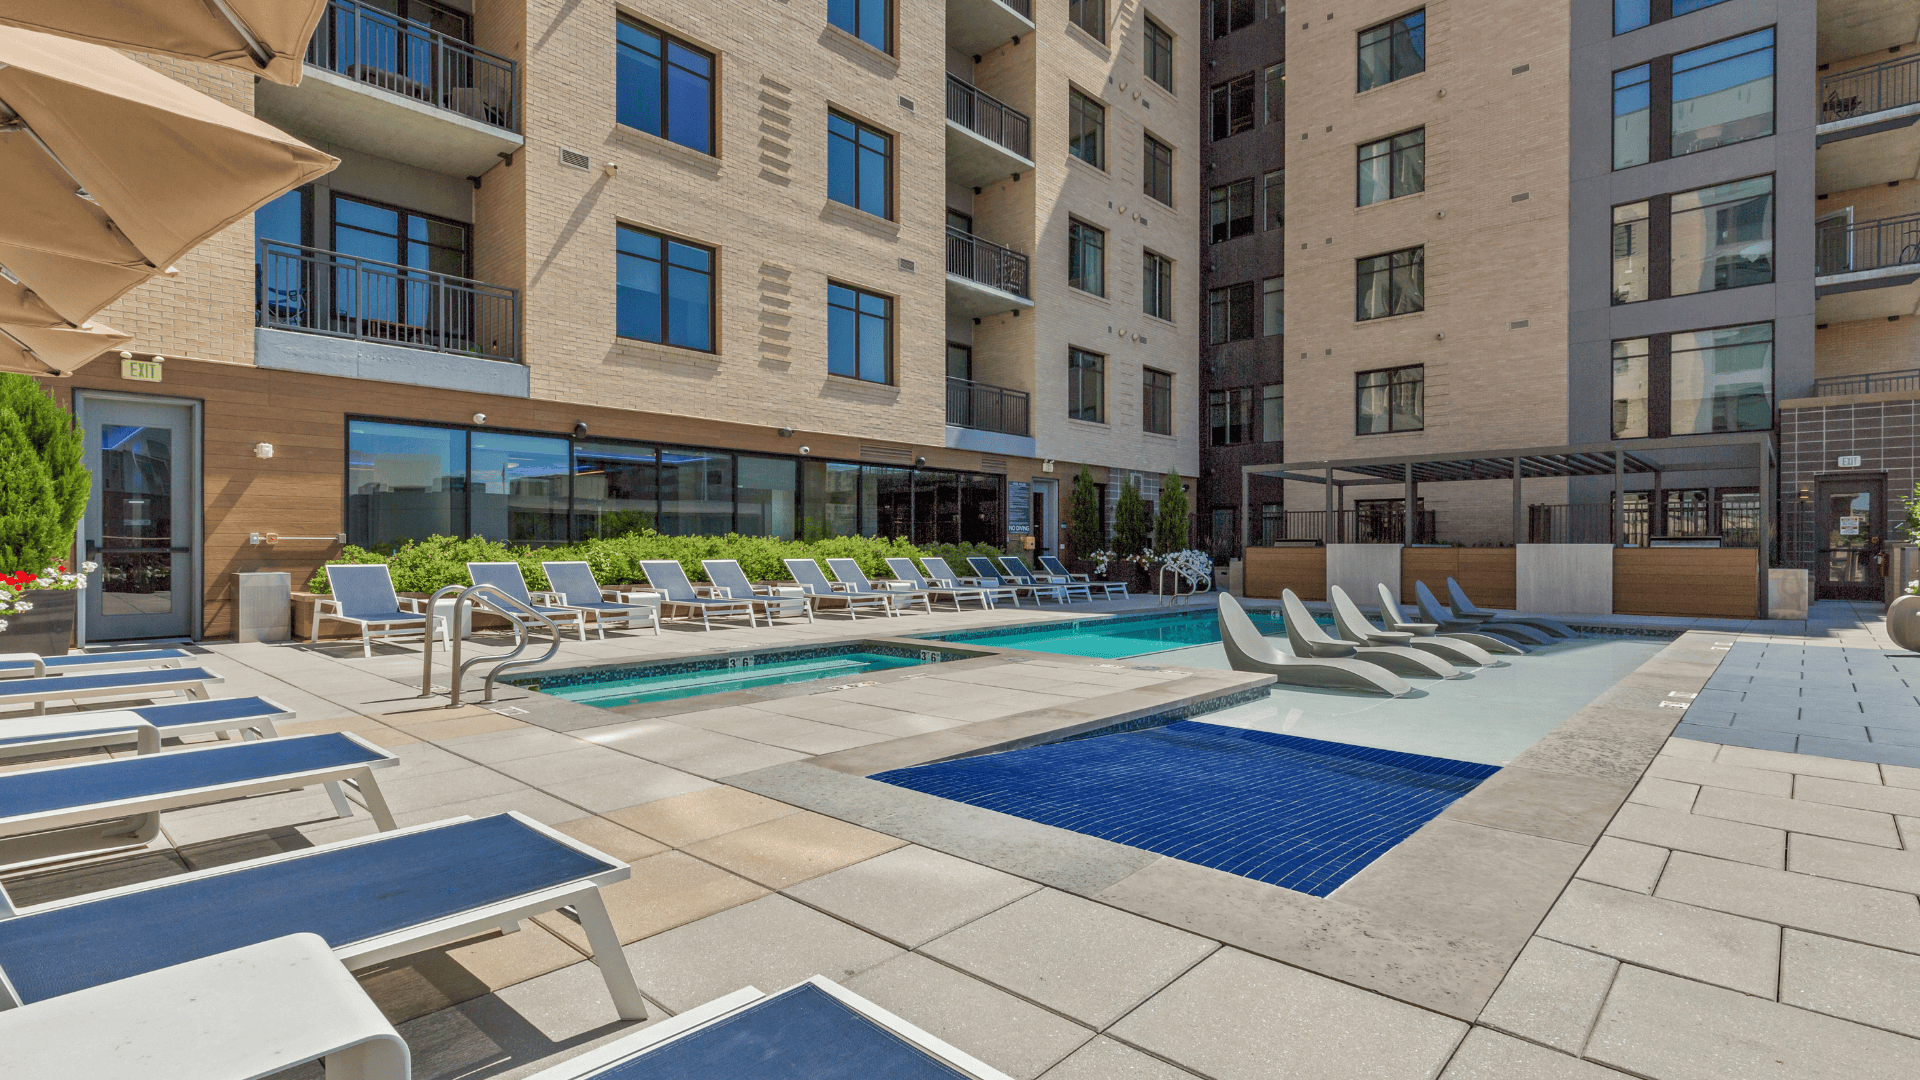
(142, 522)
(1849, 528)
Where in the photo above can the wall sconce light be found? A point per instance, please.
(610, 169)
(479, 418)
(580, 429)
(1047, 465)
(263, 450)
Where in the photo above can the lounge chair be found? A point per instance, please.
(1466, 609)
(510, 579)
(1435, 612)
(773, 601)
(145, 726)
(942, 575)
(855, 579)
(101, 803)
(579, 590)
(35, 666)
(821, 593)
(986, 573)
(160, 682)
(1352, 625)
(1059, 569)
(904, 570)
(251, 1012)
(1019, 571)
(816, 1029)
(669, 579)
(1247, 650)
(1308, 639)
(1453, 649)
(362, 595)
(373, 899)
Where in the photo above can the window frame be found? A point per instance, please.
(1156, 162)
(1157, 55)
(1393, 155)
(890, 317)
(1077, 362)
(1657, 85)
(1221, 14)
(1267, 184)
(1661, 250)
(666, 297)
(860, 127)
(1232, 309)
(1274, 395)
(1077, 231)
(1220, 102)
(1392, 381)
(1275, 285)
(1081, 13)
(667, 42)
(886, 21)
(1230, 416)
(1418, 260)
(1270, 114)
(1081, 105)
(1157, 269)
(1395, 27)
(1221, 200)
(1657, 372)
(1156, 401)
(1650, 12)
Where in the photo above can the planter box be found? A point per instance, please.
(48, 628)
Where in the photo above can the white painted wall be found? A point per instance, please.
(1359, 568)
(1564, 579)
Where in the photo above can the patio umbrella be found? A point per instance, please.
(110, 171)
(55, 350)
(260, 37)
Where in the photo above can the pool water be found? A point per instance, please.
(745, 673)
(1117, 638)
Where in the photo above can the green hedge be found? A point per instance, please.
(429, 565)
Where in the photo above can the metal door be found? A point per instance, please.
(1850, 523)
(143, 516)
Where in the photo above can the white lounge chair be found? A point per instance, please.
(821, 593)
(1247, 650)
(1437, 613)
(987, 574)
(1391, 649)
(579, 590)
(773, 601)
(1309, 640)
(1059, 569)
(904, 570)
(362, 595)
(144, 725)
(156, 683)
(941, 574)
(510, 579)
(1021, 573)
(1466, 609)
(374, 898)
(669, 578)
(1454, 650)
(34, 666)
(855, 579)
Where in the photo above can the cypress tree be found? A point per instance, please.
(1130, 521)
(1083, 530)
(49, 429)
(31, 538)
(1170, 525)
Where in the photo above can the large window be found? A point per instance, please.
(1086, 129)
(1233, 107)
(1390, 284)
(1156, 401)
(865, 19)
(1230, 210)
(1273, 307)
(1273, 412)
(665, 290)
(1632, 240)
(1229, 417)
(859, 165)
(1392, 167)
(1276, 196)
(1157, 55)
(1230, 314)
(517, 487)
(1230, 15)
(1089, 15)
(395, 234)
(1156, 169)
(1393, 50)
(1634, 14)
(1086, 386)
(1389, 400)
(1276, 94)
(1630, 402)
(1722, 380)
(1708, 239)
(1086, 258)
(1692, 101)
(1156, 285)
(1633, 116)
(696, 492)
(765, 496)
(405, 482)
(859, 333)
(664, 86)
(616, 489)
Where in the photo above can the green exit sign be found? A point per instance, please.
(140, 370)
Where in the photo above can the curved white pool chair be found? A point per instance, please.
(1432, 610)
(1308, 639)
(1248, 651)
(1391, 649)
(1467, 609)
(1453, 649)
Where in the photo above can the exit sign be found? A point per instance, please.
(1847, 461)
(140, 370)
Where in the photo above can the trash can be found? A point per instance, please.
(444, 609)
(265, 603)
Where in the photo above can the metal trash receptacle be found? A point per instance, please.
(265, 606)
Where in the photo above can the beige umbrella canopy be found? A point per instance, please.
(42, 350)
(110, 171)
(267, 38)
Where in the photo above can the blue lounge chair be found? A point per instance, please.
(373, 899)
(941, 574)
(363, 596)
(510, 579)
(1019, 571)
(30, 665)
(162, 682)
(904, 569)
(987, 574)
(822, 594)
(145, 726)
(578, 589)
(855, 579)
(1059, 570)
(669, 579)
(770, 600)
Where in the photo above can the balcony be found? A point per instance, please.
(987, 139)
(400, 90)
(1867, 270)
(984, 278)
(1857, 27)
(1873, 382)
(975, 27)
(989, 419)
(1869, 131)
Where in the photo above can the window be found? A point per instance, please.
(859, 333)
(1086, 258)
(859, 165)
(1229, 416)
(1722, 236)
(616, 489)
(1225, 535)
(1231, 15)
(1276, 94)
(1156, 401)
(1089, 15)
(394, 234)
(1391, 284)
(1158, 55)
(1273, 522)
(1393, 50)
(1393, 167)
(1233, 107)
(1276, 194)
(1630, 420)
(405, 482)
(1156, 285)
(1723, 93)
(1722, 380)
(696, 491)
(864, 19)
(1634, 14)
(664, 86)
(1273, 307)
(1632, 116)
(1156, 170)
(1230, 314)
(1230, 209)
(1632, 234)
(665, 290)
(1086, 129)
(1391, 399)
(1273, 413)
(959, 361)
(1086, 386)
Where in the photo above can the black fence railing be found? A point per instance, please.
(989, 117)
(986, 408)
(415, 61)
(325, 292)
(1868, 90)
(986, 262)
(1346, 526)
(1873, 382)
(1735, 520)
(1846, 248)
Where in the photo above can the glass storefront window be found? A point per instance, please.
(936, 507)
(830, 504)
(1630, 389)
(889, 497)
(764, 497)
(696, 492)
(615, 489)
(405, 482)
(520, 488)
(1723, 380)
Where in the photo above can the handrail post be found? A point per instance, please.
(453, 638)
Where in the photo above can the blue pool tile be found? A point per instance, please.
(1299, 813)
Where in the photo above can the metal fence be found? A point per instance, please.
(1346, 527)
(986, 262)
(986, 408)
(989, 117)
(1867, 90)
(415, 61)
(1868, 245)
(1873, 382)
(1736, 523)
(324, 292)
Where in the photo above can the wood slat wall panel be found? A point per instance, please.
(1699, 582)
(1269, 570)
(1487, 574)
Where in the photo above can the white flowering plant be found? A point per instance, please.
(51, 579)
(1192, 565)
(1101, 560)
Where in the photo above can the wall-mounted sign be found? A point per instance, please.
(1019, 508)
(1850, 461)
(140, 370)
(1850, 526)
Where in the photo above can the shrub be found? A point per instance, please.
(43, 481)
(1083, 528)
(1130, 521)
(1170, 526)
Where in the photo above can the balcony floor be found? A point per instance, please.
(1867, 294)
(335, 109)
(979, 26)
(974, 160)
(977, 300)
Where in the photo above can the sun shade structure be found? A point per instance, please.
(112, 171)
(55, 350)
(260, 37)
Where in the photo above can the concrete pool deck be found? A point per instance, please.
(1604, 903)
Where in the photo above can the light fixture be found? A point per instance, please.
(805, 450)
(612, 170)
(479, 418)
(263, 450)
(786, 433)
(580, 429)
(921, 460)
(125, 355)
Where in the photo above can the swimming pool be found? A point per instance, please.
(639, 684)
(1117, 637)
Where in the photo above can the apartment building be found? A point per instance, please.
(823, 267)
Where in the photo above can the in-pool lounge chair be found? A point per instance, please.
(821, 593)
(362, 595)
(1466, 609)
(579, 590)
(1019, 571)
(34, 666)
(100, 803)
(1437, 613)
(156, 683)
(818, 1029)
(669, 579)
(855, 579)
(373, 899)
(1308, 639)
(1059, 570)
(1454, 650)
(773, 601)
(510, 579)
(145, 726)
(1353, 625)
(942, 575)
(987, 574)
(904, 570)
(1247, 650)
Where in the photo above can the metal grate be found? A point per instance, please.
(574, 159)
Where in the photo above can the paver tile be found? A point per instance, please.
(1900, 776)
(446, 788)
(912, 895)
(416, 985)
(1865, 864)
(1569, 808)
(665, 891)
(1105, 1059)
(579, 760)
(1720, 774)
(770, 943)
(1820, 819)
(1624, 864)
(1658, 791)
(639, 782)
(1017, 1037)
(1840, 908)
(605, 836)
(690, 818)
(1801, 764)
(1551, 994)
(1489, 1055)
(1695, 942)
(1689, 750)
(1879, 797)
(793, 848)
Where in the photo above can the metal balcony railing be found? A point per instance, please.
(1868, 90)
(1868, 245)
(988, 263)
(1023, 7)
(1872, 382)
(416, 61)
(324, 292)
(1346, 526)
(986, 408)
(988, 117)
